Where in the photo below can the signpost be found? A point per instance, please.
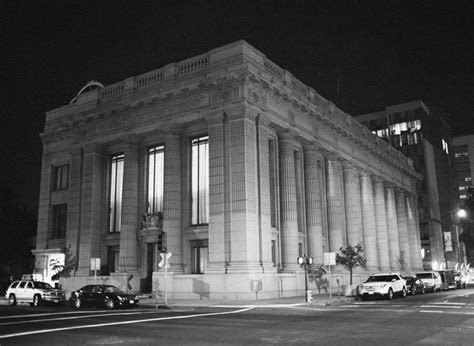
(164, 263)
(330, 260)
(95, 266)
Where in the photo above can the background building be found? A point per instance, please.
(424, 135)
(464, 157)
(244, 167)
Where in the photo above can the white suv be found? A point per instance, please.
(383, 285)
(33, 292)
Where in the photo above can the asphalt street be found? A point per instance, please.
(445, 318)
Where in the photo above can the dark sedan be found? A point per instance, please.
(414, 285)
(102, 295)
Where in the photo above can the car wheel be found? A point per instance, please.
(434, 289)
(36, 300)
(390, 294)
(404, 292)
(12, 299)
(110, 304)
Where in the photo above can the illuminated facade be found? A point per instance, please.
(424, 136)
(243, 166)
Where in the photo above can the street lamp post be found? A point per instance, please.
(305, 261)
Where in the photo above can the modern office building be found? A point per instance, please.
(464, 157)
(243, 167)
(424, 135)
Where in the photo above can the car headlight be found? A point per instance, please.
(121, 298)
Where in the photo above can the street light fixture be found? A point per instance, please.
(305, 262)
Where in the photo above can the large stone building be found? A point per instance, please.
(243, 166)
(424, 135)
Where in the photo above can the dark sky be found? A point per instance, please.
(382, 53)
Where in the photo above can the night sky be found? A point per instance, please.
(381, 52)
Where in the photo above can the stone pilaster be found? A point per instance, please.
(128, 258)
(172, 200)
(413, 235)
(403, 230)
(44, 203)
(353, 205)
(244, 236)
(218, 245)
(313, 206)
(289, 224)
(392, 227)
(91, 206)
(335, 205)
(368, 221)
(381, 225)
(265, 230)
(74, 201)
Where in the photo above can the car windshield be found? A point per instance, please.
(112, 289)
(42, 285)
(424, 275)
(376, 278)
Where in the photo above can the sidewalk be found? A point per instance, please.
(318, 300)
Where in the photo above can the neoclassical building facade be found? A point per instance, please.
(243, 167)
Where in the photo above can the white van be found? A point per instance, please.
(431, 280)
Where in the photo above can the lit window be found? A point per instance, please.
(468, 179)
(60, 177)
(116, 185)
(155, 179)
(200, 180)
(445, 146)
(59, 220)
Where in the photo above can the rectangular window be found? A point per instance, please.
(59, 220)
(155, 178)
(200, 180)
(112, 258)
(60, 177)
(116, 185)
(199, 256)
(274, 253)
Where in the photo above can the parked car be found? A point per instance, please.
(102, 295)
(33, 292)
(414, 285)
(431, 279)
(383, 285)
(461, 279)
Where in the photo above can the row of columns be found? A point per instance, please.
(361, 209)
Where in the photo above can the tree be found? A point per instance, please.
(63, 270)
(351, 257)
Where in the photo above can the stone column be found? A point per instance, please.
(218, 246)
(392, 227)
(353, 206)
(313, 206)
(413, 236)
(244, 235)
(92, 211)
(289, 224)
(172, 199)
(381, 226)
(74, 201)
(45, 204)
(128, 257)
(368, 221)
(403, 230)
(265, 229)
(335, 205)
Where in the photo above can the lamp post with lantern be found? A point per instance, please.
(305, 261)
